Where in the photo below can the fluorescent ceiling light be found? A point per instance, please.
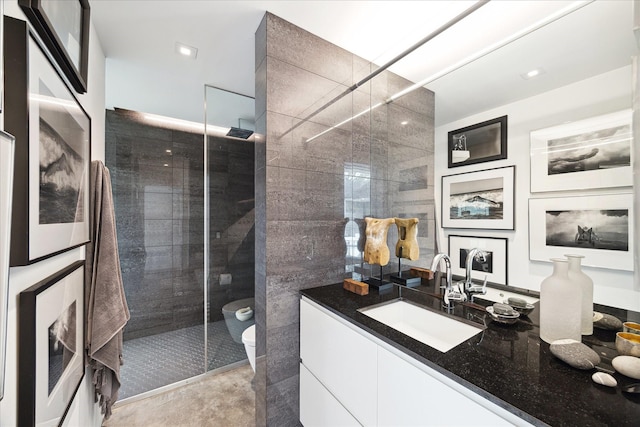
(188, 51)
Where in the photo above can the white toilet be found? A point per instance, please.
(249, 341)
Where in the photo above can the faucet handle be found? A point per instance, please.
(477, 289)
(455, 294)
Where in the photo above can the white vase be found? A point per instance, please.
(560, 305)
(586, 284)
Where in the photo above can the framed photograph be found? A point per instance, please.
(489, 263)
(598, 227)
(51, 174)
(7, 147)
(64, 28)
(591, 153)
(479, 143)
(50, 346)
(482, 199)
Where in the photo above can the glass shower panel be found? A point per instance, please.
(158, 189)
(230, 225)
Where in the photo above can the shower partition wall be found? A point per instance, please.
(177, 328)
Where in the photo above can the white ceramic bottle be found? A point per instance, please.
(586, 284)
(560, 305)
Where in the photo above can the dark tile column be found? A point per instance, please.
(315, 182)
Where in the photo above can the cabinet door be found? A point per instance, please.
(318, 408)
(342, 360)
(409, 396)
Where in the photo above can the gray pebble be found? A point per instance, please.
(517, 302)
(605, 379)
(504, 309)
(575, 353)
(606, 321)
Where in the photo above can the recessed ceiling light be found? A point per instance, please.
(188, 51)
(532, 73)
(404, 122)
(168, 151)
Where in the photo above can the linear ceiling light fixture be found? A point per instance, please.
(185, 50)
(541, 23)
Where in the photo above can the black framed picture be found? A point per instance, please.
(490, 262)
(52, 155)
(64, 28)
(479, 143)
(51, 346)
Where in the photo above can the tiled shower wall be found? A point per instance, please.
(158, 187)
(315, 183)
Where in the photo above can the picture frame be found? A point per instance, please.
(50, 346)
(599, 227)
(478, 143)
(64, 26)
(585, 154)
(491, 263)
(482, 199)
(52, 156)
(7, 149)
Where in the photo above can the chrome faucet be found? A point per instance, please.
(471, 289)
(450, 293)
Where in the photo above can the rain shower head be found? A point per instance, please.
(239, 133)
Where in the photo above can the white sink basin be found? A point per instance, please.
(433, 329)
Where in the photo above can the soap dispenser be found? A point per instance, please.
(560, 305)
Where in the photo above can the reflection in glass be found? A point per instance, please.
(62, 344)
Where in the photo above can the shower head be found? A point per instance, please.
(239, 133)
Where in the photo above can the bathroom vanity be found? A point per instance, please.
(355, 370)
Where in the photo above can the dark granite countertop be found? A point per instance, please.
(507, 364)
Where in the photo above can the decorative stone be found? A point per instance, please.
(606, 321)
(503, 309)
(627, 365)
(575, 353)
(605, 379)
(517, 302)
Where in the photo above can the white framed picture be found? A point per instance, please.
(598, 227)
(482, 199)
(585, 154)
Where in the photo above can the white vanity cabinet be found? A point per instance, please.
(409, 396)
(365, 380)
(342, 360)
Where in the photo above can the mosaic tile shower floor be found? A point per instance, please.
(162, 359)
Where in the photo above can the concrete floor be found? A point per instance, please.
(223, 399)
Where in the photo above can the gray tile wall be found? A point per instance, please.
(311, 194)
(159, 206)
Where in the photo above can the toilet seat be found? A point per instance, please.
(249, 336)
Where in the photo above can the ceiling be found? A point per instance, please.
(145, 74)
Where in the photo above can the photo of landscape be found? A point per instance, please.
(480, 199)
(594, 229)
(602, 149)
(61, 170)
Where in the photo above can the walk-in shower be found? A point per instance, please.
(183, 203)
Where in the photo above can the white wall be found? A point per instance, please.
(602, 94)
(83, 412)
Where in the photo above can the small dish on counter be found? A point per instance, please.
(631, 327)
(507, 319)
(628, 344)
(520, 305)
